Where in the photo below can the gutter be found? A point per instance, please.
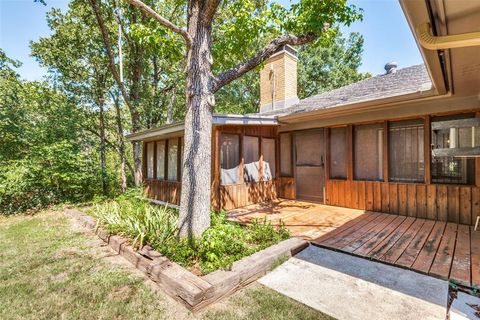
(431, 42)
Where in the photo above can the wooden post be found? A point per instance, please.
(350, 153)
(385, 151)
(166, 159)
(327, 156)
(179, 157)
(154, 160)
(427, 150)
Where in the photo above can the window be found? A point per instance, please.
(150, 160)
(161, 160)
(406, 151)
(368, 152)
(268, 152)
(338, 153)
(286, 155)
(229, 158)
(449, 169)
(172, 159)
(251, 155)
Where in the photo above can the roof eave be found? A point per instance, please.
(356, 107)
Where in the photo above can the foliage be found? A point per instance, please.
(326, 68)
(40, 163)
(220, 245)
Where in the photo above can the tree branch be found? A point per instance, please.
(108, 47)
(240, 69)
(164, 22)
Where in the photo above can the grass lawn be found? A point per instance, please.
(51, 269)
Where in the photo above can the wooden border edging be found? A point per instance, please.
(193, 291)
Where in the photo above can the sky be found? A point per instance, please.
(384, 27)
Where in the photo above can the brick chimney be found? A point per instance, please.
(278, 80)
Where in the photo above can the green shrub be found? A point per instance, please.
(220, 245)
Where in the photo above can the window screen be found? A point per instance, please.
(453, 169)
(161, 160)
(172, 159)
(268, 151)
(368, 152)
(406, 151)
(150, 160)
(338, 153)
(229, 158)
(251, 156)
(286, 155)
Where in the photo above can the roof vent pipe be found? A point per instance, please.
(391, 67)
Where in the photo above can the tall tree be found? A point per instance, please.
(330, 67)
(304, 22)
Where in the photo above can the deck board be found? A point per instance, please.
(427, 254)
(352, 235)
(412, 251)
(390, 241)
(379, 237)
(443, 259)
(440, 249)
(396, 251)
(460, 272)
(475, 256)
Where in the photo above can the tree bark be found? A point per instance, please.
(196, 179)
(121, 145)
(103, 157)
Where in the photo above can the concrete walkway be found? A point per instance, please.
(348, 287)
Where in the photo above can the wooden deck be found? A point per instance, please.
(442, 249)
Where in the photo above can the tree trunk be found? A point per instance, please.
(196, 178)
(103, 158)
(121, 146)
(137, 150)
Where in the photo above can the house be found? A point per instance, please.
(404, 142)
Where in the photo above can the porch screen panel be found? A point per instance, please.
(368, 152)
(251, 155)
(268, 152)
(286, 164)
(161, 160)
(406, 160)
(454, 170)
(150, 160)
(338, 153)
(229, 158)
(172, 159)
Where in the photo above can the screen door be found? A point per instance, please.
(310, 165)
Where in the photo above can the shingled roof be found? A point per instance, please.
(404, 81)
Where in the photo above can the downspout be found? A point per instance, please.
(431, 42)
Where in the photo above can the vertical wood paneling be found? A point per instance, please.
(442, 203)
(377, 196)
(421, 196)
(393, 198)
(402, 199)
(354, 194)
(411, 200)
(369, 196)
(465, 205)
(453, 204)
(432, 202)
(475, 204)
(385, 197)
(361, 195)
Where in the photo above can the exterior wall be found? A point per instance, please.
(444, 202)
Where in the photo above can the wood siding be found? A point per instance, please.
(452, 203)
(243, 194)
(167, 191)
